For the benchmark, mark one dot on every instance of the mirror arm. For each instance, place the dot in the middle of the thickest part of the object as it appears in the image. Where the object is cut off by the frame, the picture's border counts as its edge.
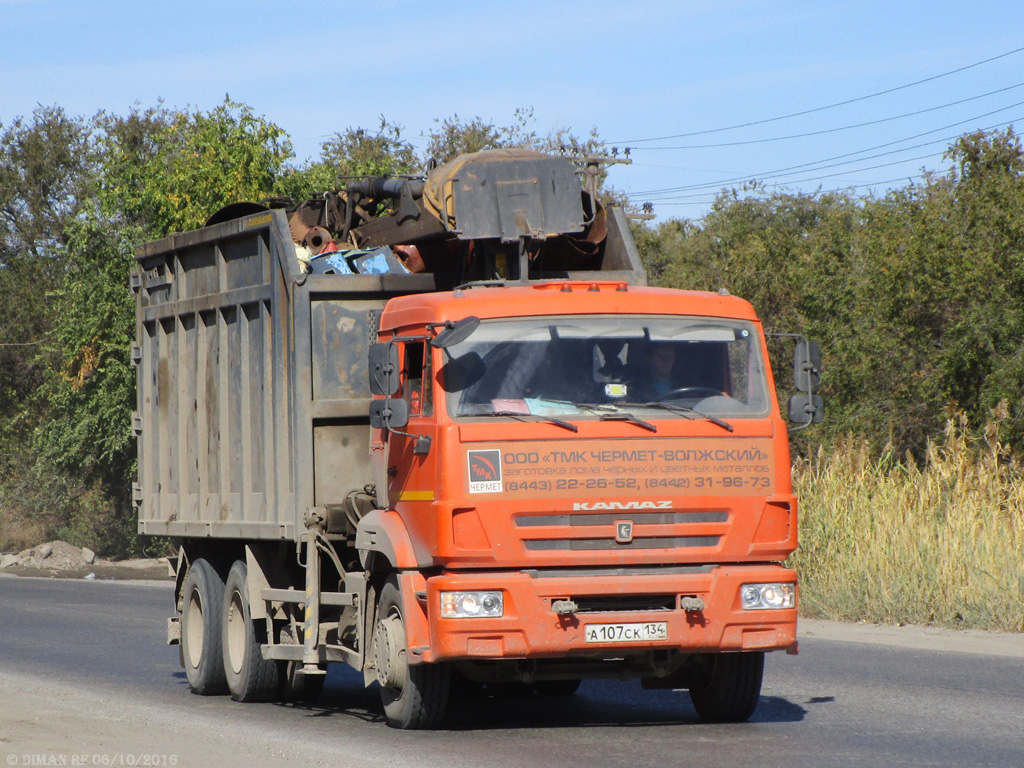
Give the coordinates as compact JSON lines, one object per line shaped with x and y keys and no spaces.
{"x":422,"y":447}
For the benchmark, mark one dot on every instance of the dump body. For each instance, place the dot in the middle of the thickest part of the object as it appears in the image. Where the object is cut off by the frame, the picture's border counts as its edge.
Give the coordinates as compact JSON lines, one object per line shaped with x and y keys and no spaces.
{"x":253,"y":392}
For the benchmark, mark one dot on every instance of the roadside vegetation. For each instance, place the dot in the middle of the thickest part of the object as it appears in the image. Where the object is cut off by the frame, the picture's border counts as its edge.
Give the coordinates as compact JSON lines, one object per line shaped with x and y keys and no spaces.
{"x":934,"y":542}
{"x":917,"y":297}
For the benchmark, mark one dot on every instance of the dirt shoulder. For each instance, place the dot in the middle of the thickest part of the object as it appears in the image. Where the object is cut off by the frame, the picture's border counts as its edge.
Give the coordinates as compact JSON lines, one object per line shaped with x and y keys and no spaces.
{"x":60,"y":560}
{"x":975,"y":641}
{"x":101,"y":570}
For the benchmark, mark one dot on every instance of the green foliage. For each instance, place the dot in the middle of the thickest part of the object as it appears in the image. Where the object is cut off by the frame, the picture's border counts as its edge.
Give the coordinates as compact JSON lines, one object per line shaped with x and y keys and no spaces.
{"x":917,"y":297}
{"x":357,"y":152}
{"x":453,"y":136}
{"x":169,"y":171}
{"x":354,"y":153}
{"x":92,"y":394}
{"x":43,"y":181}
{"x":80,"y":197}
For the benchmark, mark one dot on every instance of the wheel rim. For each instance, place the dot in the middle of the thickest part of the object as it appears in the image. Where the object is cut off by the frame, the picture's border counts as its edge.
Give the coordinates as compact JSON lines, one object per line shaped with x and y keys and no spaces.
{"x":235,"y":632}
{"x":194,"y":629}
{"x":390,"y":653}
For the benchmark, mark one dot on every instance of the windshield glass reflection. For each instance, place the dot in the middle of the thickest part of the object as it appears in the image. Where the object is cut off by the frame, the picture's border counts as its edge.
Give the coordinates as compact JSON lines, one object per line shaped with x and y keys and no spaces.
{"x":574,"y":366}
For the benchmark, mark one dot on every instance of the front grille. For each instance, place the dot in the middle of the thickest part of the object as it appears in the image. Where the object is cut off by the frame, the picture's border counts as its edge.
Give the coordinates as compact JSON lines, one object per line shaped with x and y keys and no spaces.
{"x":624,"y":603}
{"x":660,"y":542}
{"x":589,"y":531}
{"x":638,"y":518}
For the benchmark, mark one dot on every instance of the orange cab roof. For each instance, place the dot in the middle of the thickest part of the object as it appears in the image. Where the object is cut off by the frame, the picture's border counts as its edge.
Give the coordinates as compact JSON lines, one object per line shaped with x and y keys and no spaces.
{"x":559,"y":298}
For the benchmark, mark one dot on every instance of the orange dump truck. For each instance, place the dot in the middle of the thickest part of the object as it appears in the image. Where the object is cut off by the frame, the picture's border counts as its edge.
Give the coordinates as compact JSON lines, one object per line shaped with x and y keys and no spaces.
{"x":460,"y":441}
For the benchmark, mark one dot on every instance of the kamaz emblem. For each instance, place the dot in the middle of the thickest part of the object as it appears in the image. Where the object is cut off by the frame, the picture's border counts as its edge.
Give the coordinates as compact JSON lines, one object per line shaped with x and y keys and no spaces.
{"x":587,"y":506}
{"x":623,"y":531}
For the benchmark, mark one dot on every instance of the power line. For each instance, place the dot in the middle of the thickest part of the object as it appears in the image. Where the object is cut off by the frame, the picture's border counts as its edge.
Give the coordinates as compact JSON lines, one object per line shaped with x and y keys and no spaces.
{"x":841,"y":128}
{"x":21,"y":344}
{"x":822,"y":109}
{"x":791,"y":170}
{"x":834,"y":175}
{"x":668,"y":194}
{"x":708,"y":201}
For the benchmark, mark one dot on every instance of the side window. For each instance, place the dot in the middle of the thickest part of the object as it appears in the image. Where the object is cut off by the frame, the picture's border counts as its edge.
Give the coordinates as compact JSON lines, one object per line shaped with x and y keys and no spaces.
{"x":416,"y":377}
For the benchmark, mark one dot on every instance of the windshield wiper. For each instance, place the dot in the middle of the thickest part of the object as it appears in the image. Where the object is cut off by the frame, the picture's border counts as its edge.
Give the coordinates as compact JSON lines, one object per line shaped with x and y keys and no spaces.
{"x":534,"y":416}
{"x":691,"y":413}
{"x":612,"y":412}
{"x":621,"y":416}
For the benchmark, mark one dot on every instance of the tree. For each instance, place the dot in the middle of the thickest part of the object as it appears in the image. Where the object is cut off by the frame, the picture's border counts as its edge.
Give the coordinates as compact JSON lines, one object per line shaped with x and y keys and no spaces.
{"x":44,"y":179}
{"x":169,"y":171}
{"x":158,"y":171}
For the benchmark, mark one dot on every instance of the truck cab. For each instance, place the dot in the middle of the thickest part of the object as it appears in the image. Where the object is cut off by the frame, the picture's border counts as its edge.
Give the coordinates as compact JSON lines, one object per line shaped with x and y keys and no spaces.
{"x":564,"y":519}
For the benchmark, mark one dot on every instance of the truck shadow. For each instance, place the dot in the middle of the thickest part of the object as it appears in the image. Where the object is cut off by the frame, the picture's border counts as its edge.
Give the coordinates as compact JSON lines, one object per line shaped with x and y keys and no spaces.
{"x":597,"y":703}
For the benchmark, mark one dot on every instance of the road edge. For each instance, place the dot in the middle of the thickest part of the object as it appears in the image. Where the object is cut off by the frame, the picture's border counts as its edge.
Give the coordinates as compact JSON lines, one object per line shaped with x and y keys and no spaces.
{"x":970,"y":641}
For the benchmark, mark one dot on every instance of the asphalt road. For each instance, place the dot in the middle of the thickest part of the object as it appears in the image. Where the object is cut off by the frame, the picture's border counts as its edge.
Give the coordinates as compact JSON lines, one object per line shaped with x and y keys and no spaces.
{"x":85,"y":678}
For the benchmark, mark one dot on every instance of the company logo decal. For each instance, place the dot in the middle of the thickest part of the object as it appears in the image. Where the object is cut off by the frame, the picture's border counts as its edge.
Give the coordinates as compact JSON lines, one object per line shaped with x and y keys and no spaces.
{"x":484,"y":471}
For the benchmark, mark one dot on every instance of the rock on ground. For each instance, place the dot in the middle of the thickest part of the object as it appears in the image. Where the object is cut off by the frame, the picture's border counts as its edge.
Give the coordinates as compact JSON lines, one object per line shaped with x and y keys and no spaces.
{"x":62,"y":560}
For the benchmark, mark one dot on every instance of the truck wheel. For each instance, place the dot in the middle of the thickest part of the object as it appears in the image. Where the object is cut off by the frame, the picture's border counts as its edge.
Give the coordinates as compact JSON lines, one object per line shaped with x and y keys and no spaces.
{"x":202,"y":601}
{"x":250,"y":677}
{"x":414,"y":695}
{"x":299,"y":688}
{"x":728,"y":688}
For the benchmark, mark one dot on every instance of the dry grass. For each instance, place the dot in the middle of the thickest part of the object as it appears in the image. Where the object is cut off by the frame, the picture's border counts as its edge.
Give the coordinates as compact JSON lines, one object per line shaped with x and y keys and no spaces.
{"x":18,"y":532}
{"x":886,"y":541}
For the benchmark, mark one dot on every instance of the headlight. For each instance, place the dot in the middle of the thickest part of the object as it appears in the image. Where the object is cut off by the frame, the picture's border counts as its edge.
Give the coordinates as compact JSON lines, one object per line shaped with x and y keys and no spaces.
{"x":467,"y":605}
{"x":759,"y":597}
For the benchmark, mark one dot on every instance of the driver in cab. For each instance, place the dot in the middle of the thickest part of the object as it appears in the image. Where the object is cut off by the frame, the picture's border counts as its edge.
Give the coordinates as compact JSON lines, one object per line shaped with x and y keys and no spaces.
{"x":656,"y":380}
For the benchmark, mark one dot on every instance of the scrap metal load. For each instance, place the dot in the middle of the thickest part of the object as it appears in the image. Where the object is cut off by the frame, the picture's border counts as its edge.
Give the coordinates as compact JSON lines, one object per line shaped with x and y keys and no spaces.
{"x":491,"y":215}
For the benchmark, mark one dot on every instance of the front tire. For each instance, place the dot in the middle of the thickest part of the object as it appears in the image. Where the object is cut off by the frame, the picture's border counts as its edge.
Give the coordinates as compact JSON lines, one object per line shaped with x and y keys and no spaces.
{"x":415,"y":696}
{"x":250,"y":677}
{"x":202,"y":602}
{"x":728,"y":687}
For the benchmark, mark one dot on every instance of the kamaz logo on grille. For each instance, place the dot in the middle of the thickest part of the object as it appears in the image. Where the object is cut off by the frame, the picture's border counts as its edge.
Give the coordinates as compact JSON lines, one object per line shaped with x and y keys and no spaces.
{"x":593,"y":506}
{"x":623,"y":531}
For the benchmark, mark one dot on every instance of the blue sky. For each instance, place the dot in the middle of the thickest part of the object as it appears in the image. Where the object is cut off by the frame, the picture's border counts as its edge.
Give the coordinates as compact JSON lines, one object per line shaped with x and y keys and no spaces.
{"x":633,"y":71}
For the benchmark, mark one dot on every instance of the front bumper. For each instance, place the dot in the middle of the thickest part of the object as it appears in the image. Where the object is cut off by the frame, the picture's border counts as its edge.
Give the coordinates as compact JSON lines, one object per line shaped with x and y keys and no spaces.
{"x":530,"y":628}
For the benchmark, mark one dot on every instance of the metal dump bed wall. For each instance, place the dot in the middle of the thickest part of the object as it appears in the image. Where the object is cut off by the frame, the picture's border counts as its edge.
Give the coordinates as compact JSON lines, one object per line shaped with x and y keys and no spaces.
{"x":252,"y":386}
{"x":253,"y":395}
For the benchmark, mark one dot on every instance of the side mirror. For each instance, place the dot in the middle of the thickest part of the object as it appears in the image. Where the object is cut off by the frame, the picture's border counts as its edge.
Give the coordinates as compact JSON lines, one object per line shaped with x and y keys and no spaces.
{"x":807,"y":366}
{"x":806,"y":409}
{"x":455,"y":332}
{"x":383,"y":358}
{"x":389,"y":414}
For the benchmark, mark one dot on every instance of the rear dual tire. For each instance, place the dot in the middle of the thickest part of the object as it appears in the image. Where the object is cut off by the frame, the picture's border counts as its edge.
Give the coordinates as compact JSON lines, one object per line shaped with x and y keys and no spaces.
{"x":220,"y":644}
{"x":249,"y":676}
{"x":202,"y":606}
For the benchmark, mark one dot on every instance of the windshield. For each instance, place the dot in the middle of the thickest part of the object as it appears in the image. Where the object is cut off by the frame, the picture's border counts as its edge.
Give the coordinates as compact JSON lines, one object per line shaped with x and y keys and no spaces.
{"x":555,"y":366}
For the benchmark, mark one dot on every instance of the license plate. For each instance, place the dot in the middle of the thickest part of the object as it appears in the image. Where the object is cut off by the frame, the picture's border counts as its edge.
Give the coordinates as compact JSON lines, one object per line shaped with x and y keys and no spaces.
{"x":626,"y":633}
